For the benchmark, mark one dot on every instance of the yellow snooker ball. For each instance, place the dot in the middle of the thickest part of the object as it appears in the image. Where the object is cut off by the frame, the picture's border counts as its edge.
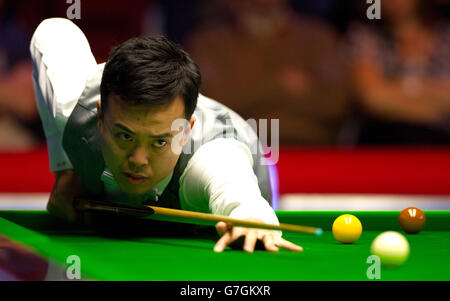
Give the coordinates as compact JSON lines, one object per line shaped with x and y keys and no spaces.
{"x":347,"y":228}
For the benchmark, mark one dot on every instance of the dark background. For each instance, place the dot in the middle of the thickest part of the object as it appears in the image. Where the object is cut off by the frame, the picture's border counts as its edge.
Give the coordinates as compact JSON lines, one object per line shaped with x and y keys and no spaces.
{"x":317,"y":95}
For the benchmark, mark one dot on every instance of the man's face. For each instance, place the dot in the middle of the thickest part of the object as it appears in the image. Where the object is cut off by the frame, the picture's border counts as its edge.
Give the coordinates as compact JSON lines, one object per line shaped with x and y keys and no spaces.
{"x":137,"y":142}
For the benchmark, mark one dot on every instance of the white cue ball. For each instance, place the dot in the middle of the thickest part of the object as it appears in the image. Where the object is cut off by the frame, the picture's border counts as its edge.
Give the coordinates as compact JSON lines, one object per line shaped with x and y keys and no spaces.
{"x":392,"y":248}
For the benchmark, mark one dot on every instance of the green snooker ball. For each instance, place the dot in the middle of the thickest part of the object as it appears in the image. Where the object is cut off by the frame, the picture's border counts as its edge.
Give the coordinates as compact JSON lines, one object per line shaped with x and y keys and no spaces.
{"x":391,"y":247}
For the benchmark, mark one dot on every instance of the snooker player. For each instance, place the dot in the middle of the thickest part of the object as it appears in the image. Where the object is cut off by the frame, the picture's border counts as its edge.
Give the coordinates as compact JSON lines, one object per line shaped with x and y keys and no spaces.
{"x":112,"y":133}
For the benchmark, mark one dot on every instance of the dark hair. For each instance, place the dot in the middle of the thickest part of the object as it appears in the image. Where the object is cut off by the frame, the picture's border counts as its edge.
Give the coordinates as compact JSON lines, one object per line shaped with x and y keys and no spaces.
{"x":151,"y":70}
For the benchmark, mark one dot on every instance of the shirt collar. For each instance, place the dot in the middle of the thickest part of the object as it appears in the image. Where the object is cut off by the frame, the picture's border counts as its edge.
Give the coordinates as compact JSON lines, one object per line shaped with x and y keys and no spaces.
{"x":161,"y":186}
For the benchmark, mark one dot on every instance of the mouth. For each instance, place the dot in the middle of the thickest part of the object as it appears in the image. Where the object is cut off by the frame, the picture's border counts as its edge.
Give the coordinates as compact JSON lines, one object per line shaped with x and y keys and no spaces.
{"x":135,"y":179}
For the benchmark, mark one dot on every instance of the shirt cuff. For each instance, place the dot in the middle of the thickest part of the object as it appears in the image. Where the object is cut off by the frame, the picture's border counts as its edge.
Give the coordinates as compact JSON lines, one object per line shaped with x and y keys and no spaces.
{"x":57,"y":156}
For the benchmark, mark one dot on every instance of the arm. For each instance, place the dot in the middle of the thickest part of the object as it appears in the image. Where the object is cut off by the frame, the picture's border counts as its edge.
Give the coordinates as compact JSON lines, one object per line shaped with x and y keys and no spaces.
{"x":219,"y":179}
{"x":394,"y":100}
{"x":415,"y":100}
{"x":62,"y":63}
{"x":67,"y":187}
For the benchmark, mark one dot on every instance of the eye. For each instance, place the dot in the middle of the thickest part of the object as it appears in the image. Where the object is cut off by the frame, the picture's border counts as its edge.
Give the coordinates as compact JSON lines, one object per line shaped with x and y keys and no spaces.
{"x":124,"y":137}
{"x":159,"y":143}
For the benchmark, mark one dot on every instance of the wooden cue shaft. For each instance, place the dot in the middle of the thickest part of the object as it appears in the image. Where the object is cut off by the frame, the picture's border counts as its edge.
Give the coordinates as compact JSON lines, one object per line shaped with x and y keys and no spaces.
{"x":160,"y":213}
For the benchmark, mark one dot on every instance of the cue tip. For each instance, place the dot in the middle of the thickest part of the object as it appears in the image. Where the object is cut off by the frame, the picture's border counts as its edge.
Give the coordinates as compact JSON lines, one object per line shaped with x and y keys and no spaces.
{"x":318,"y":232}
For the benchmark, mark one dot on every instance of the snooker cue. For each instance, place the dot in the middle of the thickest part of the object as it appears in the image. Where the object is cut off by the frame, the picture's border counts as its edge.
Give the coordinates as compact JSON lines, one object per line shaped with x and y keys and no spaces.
{"x":212,"y":219}
{"x":184,"y":216}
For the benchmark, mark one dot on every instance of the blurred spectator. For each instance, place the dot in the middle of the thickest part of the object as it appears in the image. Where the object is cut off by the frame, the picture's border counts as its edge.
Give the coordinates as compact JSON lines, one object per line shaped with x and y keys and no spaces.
{"x":106,"y":23}
{"x":264,"y":61}
{"x":20,"y":126}
{"x":401,"y":75}
{"x":334,"y":12}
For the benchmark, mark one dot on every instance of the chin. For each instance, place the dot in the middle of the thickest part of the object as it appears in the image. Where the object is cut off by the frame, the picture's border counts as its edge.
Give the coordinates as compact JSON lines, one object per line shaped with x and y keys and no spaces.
{"x":134,"y":189}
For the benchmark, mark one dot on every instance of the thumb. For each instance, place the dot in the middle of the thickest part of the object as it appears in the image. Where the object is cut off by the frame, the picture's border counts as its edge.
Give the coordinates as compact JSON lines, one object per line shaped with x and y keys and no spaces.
{"x":221,"y":228}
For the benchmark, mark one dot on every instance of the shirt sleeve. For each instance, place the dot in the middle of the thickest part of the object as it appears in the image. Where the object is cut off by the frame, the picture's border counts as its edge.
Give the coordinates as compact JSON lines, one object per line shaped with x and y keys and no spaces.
{"x":219,"y":179}
{"x":62,"y":63}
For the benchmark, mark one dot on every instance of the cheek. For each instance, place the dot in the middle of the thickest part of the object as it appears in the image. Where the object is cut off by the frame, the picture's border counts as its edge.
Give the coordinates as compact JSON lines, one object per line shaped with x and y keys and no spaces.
{"x":112,"y":153}
{"x":164,"y":163}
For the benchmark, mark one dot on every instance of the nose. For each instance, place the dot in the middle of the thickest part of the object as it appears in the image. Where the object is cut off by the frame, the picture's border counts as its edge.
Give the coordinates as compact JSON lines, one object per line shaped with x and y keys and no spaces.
{"x":138,"y":158}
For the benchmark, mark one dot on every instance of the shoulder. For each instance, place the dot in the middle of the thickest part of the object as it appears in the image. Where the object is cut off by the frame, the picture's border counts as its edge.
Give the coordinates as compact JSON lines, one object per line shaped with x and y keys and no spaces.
{"x":91,"y":92}
{"x":222,"y":151}
{"x":220,"y":158}
{"x":213,"y":117}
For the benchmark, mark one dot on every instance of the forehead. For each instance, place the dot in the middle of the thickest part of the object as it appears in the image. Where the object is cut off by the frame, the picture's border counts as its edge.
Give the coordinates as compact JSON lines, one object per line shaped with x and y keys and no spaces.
{"x":144,"y":117}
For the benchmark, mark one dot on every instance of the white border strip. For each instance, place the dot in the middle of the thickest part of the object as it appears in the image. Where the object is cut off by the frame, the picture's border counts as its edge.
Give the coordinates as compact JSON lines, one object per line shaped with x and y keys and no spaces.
{"x":38,"y":201}
{"x":23,"y":201}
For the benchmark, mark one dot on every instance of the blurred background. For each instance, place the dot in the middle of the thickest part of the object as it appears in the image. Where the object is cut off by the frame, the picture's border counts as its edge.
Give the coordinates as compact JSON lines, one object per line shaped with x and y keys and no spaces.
{"x":334,"y":78}
{"x":331,"y":76}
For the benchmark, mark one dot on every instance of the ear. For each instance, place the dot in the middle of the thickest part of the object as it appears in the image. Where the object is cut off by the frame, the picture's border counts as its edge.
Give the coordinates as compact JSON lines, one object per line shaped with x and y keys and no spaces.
{"x":99,"y":114}
{"x":191,"y":122}
{"x":187,"y":131}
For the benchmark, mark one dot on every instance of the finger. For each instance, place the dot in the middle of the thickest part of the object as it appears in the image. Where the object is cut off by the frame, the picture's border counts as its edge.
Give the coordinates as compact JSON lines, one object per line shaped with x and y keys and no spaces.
{"x":222,"y":242}
{"x":62,"y":208}
{"x":269,"y":243}
{"x":64,"y":212}
{"x":289,"y":245}
{"x":250,"y":241}
{"x":71,"y":215}
{"x":221,"y":228}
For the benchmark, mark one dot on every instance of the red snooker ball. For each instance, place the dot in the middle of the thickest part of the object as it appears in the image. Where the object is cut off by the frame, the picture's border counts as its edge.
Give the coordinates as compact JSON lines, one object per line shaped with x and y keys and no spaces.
{"x":412,"y":220}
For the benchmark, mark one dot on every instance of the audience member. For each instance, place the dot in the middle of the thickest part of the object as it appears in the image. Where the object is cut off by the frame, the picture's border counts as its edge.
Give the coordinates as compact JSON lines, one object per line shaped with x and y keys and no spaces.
{"x":20,"y":126}
{"x":401,"y":75}
{"x":270,"y":63}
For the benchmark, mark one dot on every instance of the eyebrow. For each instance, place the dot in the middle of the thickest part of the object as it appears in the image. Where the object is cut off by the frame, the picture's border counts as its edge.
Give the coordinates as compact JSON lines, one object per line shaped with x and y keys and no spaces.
{"x":165,"y":135}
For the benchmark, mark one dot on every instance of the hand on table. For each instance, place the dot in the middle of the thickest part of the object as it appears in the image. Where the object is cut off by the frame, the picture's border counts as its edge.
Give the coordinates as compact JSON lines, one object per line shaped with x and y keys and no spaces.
{"x":62,"y":207}
{"x":270,"y":239}
{"x":61,"y":203}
